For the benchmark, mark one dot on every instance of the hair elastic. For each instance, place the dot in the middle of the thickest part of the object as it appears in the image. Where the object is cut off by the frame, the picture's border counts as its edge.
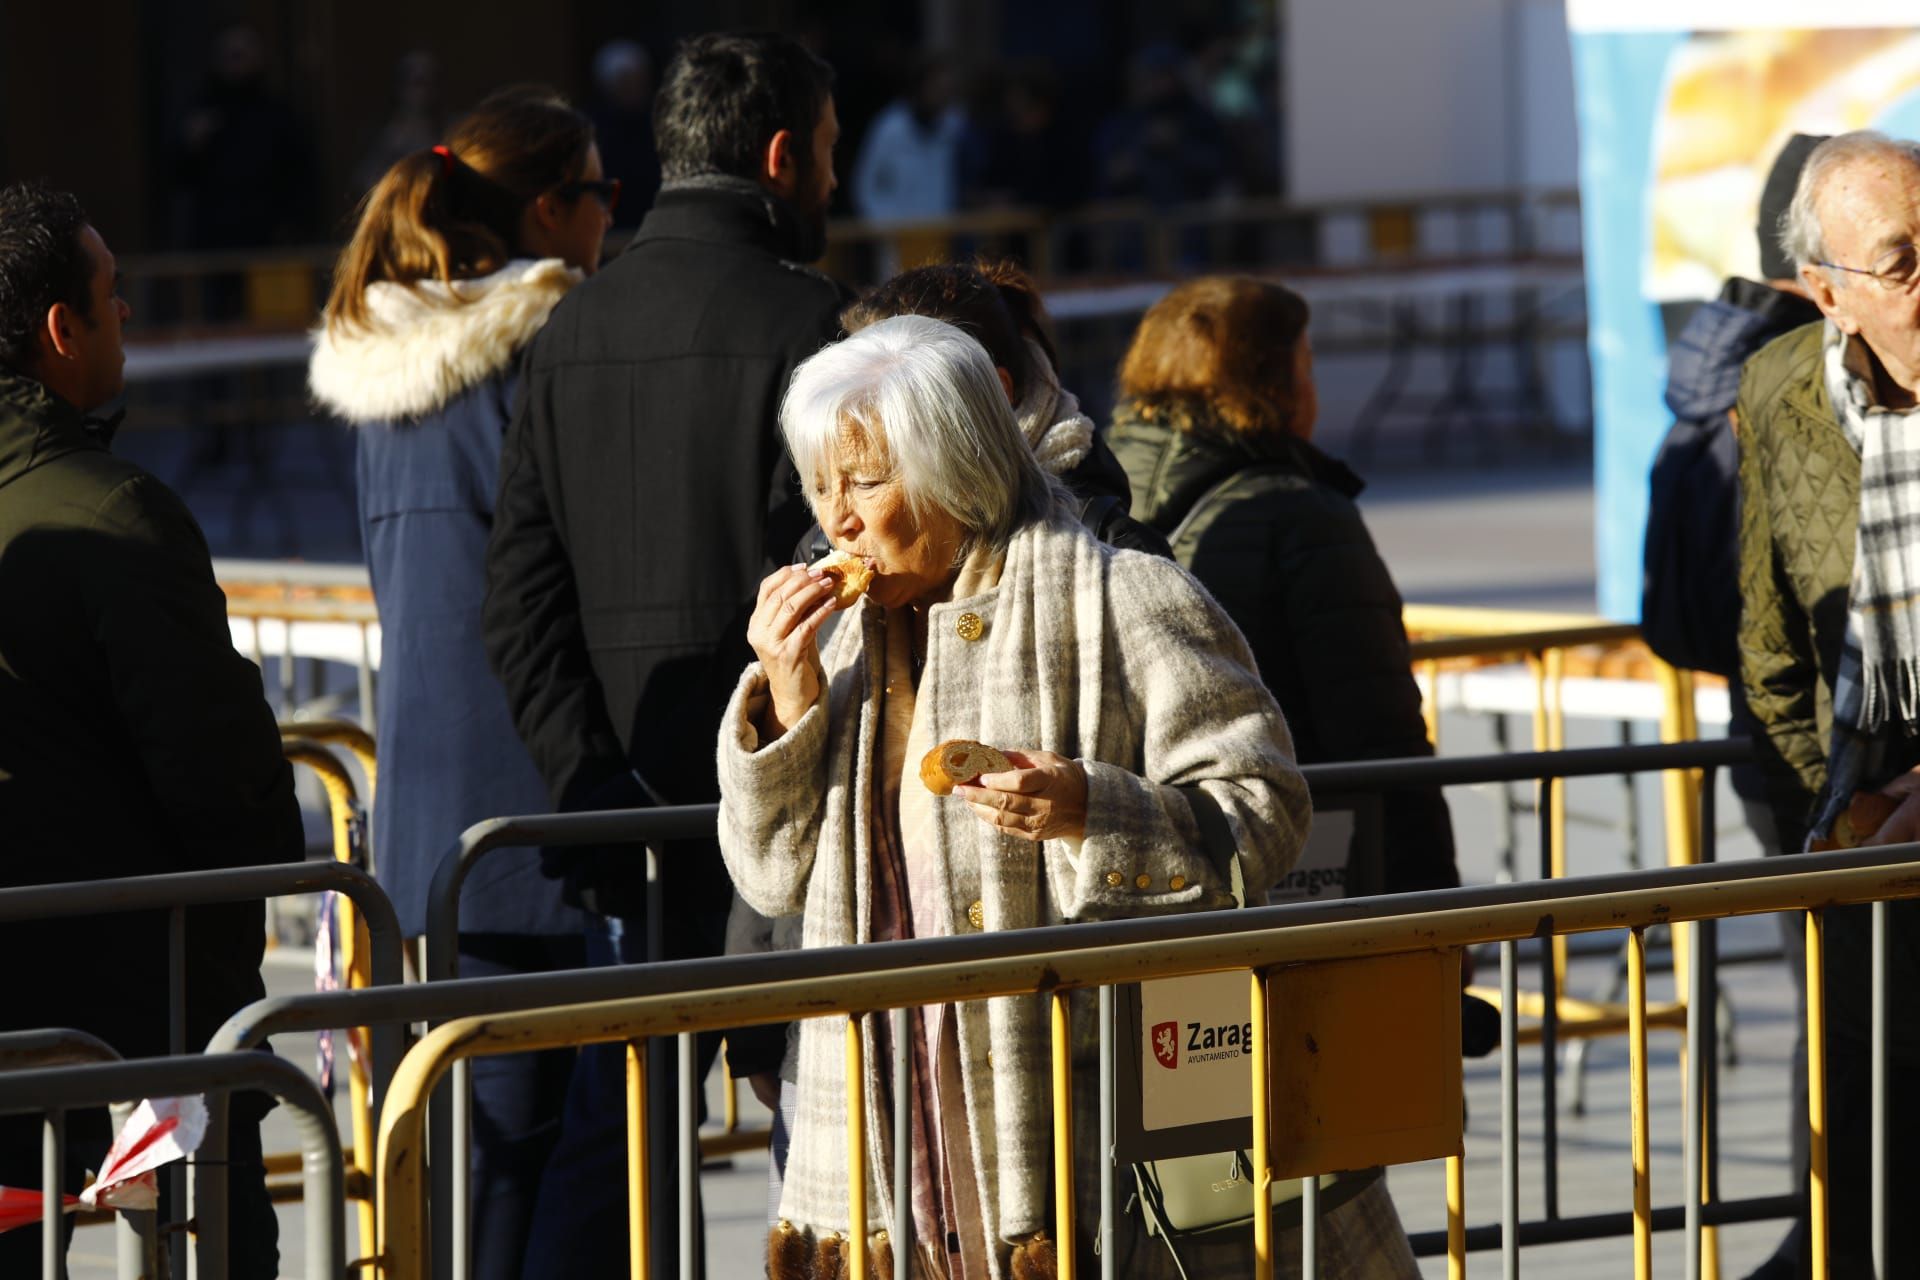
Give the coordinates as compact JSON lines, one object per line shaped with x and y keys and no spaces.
{"x":446,"y":158}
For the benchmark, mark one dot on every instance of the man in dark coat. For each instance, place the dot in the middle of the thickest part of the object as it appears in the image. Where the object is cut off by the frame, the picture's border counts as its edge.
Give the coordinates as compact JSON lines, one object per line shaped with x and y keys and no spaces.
{"x":644,"y":494}
{"x":1690,"y":596}
{"x":134,"y":740}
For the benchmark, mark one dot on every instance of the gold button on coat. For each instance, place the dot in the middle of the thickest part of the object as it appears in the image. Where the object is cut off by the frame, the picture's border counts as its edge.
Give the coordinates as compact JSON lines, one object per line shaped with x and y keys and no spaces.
{"x":1143,"y":881}
{"x":1115,"y":879}
{"x":976,"y":915}
{"x":1177,"y":883}
{"x":969,"y":627}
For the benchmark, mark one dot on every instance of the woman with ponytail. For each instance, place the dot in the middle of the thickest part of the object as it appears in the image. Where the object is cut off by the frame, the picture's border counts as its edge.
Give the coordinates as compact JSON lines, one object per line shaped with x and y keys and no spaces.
{"x":460,"y":253}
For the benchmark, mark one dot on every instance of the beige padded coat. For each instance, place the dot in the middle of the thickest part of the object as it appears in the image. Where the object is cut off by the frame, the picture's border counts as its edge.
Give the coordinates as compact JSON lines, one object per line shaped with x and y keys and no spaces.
{"x":1115,"y":658}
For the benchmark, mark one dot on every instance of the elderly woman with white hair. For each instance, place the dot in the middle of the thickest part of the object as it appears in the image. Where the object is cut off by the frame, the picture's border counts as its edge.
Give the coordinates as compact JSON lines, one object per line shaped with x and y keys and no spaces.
{"x":1148,"y":772}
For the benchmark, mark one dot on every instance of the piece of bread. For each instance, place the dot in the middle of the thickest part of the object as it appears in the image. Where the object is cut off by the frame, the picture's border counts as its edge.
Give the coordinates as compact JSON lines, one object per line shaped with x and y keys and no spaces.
{"x":958,"y":761}
{"x":1867,"y":813}
{"x":851,"y":575}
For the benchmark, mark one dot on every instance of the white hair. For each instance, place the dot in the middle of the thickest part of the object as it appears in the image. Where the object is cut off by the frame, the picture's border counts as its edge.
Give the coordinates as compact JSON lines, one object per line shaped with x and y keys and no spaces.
{"x":1801,"y":236}
{"x":925,"y":395}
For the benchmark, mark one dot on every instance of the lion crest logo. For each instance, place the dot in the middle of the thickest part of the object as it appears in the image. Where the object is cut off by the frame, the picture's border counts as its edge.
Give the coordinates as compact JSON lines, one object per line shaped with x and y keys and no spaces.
{"x":1166,"y":1044}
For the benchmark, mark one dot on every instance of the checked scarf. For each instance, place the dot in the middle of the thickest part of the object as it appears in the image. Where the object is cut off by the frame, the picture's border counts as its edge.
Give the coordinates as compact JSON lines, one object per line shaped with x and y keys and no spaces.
{"x":1877,"y":687}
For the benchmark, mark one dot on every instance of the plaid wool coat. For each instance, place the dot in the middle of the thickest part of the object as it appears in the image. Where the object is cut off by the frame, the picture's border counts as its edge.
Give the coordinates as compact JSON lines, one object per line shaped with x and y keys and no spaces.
{"x":1116,"y":658}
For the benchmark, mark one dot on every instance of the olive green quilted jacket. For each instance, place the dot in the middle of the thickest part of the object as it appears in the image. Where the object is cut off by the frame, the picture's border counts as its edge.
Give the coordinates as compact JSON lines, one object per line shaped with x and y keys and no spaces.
{"x":1799,"y":509}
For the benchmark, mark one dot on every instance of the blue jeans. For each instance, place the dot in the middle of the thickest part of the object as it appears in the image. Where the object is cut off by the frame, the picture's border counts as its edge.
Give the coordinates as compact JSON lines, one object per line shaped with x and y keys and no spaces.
{"x":580,"y":1219}
{"x":518,"y":1099}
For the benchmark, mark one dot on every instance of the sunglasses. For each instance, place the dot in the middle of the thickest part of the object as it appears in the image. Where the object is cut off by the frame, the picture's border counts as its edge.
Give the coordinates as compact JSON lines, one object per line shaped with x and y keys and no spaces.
{"x":607,"y":192}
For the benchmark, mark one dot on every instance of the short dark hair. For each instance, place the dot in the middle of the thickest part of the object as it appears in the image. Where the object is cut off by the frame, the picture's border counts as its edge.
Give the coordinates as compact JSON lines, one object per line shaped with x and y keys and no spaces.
{"x":42,"y":261}
{"x":726,"y":94}
{"x":963,"y":295}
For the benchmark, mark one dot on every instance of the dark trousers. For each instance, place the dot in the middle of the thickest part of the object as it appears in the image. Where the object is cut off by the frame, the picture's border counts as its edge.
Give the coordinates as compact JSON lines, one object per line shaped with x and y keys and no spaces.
{"x":518,"y":1100}
{"x":580,"y":1221}
{"x":254,"y":1249}
{"x":1849,"y":1098}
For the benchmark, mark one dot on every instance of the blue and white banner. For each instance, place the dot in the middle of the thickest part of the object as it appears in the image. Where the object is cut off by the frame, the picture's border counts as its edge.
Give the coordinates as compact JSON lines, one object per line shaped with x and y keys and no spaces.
{"x":1682,"y":106}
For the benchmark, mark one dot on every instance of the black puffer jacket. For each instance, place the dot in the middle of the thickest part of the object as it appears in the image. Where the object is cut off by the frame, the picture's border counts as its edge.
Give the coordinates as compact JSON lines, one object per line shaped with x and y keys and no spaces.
{"x":133,"y":739}
{"x":1269,"y":526}
{"x":1690,"y":595}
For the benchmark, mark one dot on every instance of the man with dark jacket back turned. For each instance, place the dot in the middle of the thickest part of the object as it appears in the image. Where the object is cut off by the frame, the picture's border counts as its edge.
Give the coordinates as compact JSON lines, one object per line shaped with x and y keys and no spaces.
{"x":134,"y":740}
{"x":644,"y":493}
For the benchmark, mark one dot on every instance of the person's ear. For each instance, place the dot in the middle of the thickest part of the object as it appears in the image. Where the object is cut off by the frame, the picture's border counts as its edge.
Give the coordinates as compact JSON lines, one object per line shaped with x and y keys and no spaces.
{"x":1006,"y":383}
{"x":62,"y":332}
{"x":780,"y":169}
{"x":1826,"y":296}
{"x":547,"y":213}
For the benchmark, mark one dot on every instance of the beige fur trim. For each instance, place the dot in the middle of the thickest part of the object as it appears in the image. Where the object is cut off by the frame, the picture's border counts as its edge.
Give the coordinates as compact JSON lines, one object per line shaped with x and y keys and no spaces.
{"x":424,"y":349}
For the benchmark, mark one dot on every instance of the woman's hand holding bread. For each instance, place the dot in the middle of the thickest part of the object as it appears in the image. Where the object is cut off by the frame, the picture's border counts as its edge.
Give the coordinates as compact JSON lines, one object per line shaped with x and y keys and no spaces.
{"x":794,"y":602}
{"x":1041,"y":796}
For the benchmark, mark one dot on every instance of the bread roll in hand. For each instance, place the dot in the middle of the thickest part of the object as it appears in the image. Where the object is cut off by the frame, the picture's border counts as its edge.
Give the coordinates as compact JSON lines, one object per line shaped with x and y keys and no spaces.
{"x":851,"y":576}
{"x":958,"y":761}
{"x":1858,"y":823}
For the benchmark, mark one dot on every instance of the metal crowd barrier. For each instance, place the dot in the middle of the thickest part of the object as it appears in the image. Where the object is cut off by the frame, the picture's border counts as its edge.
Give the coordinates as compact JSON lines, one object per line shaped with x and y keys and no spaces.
{"x":1555,"y":647}
{"x":308,"y":743}
{"x":176,"y":892}
{"x":891,"y":976}
{"x":135,"y":1238}
{"x":57,"y":1090}
{"x":330,"y":604}
{"x":451,"y":998}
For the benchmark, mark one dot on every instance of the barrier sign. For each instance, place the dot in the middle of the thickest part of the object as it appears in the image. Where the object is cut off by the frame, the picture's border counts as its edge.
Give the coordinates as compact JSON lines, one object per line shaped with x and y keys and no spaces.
{"x":1194,"y":1064}
{"x":1321,"y":873}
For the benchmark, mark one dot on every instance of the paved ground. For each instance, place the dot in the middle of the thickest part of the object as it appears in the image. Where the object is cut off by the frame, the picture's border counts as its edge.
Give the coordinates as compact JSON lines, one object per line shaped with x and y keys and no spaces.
{"x":1519,"y":536}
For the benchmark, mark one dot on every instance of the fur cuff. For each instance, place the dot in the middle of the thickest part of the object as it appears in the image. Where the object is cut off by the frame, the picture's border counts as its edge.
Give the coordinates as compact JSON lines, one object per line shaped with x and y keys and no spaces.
{"x":793,"y":1254}
{"x":1035,"y":1259}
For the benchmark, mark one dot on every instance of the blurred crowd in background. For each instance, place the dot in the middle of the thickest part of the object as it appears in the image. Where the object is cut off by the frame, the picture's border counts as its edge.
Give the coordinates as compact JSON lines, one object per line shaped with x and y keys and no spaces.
{"x":1070,"y":112}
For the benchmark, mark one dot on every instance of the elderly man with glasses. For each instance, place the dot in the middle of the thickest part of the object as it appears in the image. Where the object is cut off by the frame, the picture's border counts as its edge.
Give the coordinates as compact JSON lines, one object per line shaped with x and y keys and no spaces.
{"x":1829,"y":424}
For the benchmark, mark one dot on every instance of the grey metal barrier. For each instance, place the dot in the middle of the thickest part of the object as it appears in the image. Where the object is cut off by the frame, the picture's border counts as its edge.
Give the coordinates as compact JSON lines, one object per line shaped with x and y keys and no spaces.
{"x":134,"y":1233}
{"x":174,"y":893}
{"x":882,"y":976}
{"x":450,"y":998}
{"x":56,"y":1091}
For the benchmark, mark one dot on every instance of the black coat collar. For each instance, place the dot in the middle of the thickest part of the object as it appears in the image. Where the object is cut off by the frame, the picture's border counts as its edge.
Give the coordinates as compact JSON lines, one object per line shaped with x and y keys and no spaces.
{"x":724,"y":210}
{"x":37,"y":426}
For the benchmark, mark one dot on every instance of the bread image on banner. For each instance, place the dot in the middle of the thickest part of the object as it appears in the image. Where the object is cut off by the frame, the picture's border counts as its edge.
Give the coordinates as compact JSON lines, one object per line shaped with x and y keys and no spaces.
{"x":1730,"y":102}
{"x":958,"y":761}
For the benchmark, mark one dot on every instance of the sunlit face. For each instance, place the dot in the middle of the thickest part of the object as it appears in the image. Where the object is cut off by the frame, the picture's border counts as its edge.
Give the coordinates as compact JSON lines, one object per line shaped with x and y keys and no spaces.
{"x":1866,"y":208}
{"x":862,"y":504}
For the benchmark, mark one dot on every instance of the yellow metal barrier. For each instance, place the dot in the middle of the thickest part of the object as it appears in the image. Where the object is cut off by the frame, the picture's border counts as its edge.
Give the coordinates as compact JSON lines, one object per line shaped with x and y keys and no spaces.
{"x":1803,"y":883}
{"x":1553,"y":646}
{"x":302,"y":743}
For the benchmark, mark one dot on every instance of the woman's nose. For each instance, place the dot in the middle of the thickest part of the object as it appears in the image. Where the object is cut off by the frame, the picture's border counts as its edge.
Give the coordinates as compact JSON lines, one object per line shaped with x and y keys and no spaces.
{"x":837,"y":517}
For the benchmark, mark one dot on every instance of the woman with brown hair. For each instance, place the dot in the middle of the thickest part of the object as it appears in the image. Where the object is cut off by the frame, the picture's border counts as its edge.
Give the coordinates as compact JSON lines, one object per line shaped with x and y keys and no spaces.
{"x":460,"y":253}
{"x":1215,"y":429}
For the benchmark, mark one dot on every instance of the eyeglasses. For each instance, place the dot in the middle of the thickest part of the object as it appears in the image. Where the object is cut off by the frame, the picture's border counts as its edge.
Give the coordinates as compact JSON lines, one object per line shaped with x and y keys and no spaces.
{"x":607,"y":193}
{"x":1893,"y":271}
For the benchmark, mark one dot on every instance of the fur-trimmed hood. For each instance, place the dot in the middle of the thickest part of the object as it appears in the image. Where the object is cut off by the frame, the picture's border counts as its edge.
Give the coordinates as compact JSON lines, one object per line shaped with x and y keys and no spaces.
{"x":424,"y":348}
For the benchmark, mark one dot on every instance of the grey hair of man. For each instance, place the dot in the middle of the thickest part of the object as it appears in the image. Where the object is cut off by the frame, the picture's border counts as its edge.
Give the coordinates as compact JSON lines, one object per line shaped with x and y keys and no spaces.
{"x":925,"y":396}
{"x":1801,"y":235}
